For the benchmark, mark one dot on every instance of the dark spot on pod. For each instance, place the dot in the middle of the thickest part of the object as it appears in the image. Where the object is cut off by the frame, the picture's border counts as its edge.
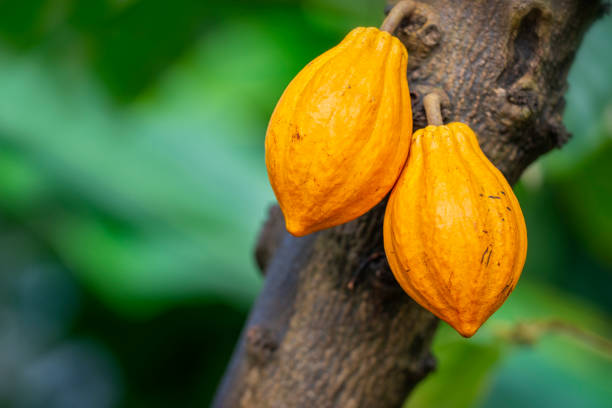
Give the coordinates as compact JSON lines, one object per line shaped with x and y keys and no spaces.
{"x":508,"y":208}
{"x":495,"y":197}
{"x":483,"y":255}
{"x":296,"y":136}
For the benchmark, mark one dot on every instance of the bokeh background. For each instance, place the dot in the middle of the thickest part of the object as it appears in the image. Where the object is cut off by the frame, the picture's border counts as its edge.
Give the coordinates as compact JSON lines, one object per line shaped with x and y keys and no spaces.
{"x":132,"y":186}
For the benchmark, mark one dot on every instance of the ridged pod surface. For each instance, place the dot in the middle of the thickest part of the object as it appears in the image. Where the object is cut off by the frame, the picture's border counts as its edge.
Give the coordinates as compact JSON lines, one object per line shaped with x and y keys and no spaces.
{"x":454,"y":233}
{"x":340,"y":134}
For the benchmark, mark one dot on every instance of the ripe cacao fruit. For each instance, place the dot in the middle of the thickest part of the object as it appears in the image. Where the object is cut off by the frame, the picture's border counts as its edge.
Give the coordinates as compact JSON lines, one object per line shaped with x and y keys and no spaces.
{"x":340,"y":134}
{"x":454,"y":233}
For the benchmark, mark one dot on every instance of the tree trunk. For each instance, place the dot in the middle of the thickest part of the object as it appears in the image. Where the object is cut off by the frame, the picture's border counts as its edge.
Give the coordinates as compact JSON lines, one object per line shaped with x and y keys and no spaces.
{"x":331,"y":328}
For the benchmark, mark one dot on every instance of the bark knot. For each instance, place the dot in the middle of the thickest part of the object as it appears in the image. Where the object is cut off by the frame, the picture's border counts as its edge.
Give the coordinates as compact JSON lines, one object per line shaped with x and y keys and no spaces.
{"x":261,"y":344}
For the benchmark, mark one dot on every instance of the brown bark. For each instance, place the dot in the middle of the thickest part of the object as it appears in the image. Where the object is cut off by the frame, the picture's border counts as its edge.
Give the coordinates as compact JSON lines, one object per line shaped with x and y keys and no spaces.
{"x":331,"y":328}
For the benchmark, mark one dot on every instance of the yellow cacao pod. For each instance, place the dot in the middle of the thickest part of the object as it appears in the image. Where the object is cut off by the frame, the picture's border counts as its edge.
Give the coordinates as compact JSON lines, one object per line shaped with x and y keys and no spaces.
{"x":454,"y":233}
{"x":340,"y":134}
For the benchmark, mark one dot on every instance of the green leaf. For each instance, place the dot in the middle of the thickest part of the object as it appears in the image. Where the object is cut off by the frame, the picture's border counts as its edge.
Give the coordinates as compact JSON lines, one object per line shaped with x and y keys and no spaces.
{"x":586,"y":196}
{"x":462,"y":375}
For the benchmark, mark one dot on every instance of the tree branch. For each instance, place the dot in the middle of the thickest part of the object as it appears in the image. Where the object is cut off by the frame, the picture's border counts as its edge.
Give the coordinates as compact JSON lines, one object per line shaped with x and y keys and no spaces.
{"x":331,"y":327}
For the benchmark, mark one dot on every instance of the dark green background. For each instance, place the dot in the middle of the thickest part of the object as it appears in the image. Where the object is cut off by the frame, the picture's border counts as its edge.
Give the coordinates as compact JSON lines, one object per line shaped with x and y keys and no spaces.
{"x":132,"y":185}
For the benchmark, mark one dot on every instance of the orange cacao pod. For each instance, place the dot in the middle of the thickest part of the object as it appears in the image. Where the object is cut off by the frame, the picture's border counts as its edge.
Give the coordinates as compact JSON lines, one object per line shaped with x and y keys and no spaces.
{"x":340,"y":134}
{"x":454,"y":233}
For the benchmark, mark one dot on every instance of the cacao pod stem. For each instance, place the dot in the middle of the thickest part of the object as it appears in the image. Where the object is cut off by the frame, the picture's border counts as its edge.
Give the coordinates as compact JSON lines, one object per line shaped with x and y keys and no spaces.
{"x":431,"y":103}
{"x":400,"y":11}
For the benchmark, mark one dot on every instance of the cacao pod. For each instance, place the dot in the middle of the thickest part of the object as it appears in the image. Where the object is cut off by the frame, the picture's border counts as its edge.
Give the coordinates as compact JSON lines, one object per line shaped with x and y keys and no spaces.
{"x":340,"y":133}
{"x":454,"y":233}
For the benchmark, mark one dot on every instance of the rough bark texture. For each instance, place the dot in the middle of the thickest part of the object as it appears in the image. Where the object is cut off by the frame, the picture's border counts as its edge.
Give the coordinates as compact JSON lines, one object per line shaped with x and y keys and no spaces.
{"x":331,"y":328}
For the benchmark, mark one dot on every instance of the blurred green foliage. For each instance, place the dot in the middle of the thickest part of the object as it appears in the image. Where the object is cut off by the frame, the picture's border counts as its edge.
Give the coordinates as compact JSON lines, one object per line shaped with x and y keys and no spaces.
{"x":132,"y":185}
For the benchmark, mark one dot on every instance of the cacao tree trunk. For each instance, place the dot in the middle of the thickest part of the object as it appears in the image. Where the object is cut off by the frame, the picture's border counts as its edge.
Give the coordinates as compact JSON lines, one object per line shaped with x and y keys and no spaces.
{"x":331,"y":328}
